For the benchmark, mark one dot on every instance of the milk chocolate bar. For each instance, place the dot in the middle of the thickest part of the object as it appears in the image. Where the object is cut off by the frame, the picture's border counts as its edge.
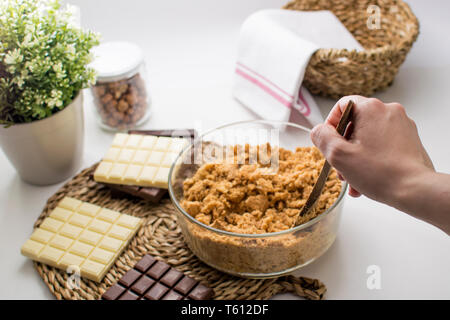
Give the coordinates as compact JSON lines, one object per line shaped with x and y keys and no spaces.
{"x":151,"y":279}
{"x":81,"y":234}
{"x":151,"y":194}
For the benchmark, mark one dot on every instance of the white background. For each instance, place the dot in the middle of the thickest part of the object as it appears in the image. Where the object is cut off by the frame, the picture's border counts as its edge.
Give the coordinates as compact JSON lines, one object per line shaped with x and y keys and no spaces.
{"x":190,"y":49}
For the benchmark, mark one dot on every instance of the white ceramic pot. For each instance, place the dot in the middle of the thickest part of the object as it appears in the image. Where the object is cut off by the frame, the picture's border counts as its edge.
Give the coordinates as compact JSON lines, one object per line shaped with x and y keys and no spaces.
{"x":50,"y":150}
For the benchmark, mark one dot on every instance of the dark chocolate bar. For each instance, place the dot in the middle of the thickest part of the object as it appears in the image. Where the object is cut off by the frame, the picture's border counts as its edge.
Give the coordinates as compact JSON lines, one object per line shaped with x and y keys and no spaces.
{"x":151,"y":279}
{"x":174,"y":133}
{"x":153,"y":195}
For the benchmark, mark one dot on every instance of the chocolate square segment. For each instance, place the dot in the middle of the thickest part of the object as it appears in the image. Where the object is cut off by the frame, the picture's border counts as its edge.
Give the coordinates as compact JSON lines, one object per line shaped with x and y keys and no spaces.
{"x":128,"y":295}
{"x":172,"y":295}
{"x":113,"y":292}
{"x":158,"y":269}
{"x":142,"y":285}
{"x":146,"y":262}
{"x":151,"y":194}
{"x":185,"y":285}
{"x":151,"y":279}
{"x":130,"y":277}
{"x":201,"y":292}
{"x":156,"y":292}
{"x":171,"y":277}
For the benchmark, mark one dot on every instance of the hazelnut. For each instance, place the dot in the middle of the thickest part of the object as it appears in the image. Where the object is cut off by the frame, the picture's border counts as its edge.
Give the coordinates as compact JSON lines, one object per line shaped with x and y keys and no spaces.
{"x":110,"y":106}
{"x":131,"y":98}
{"x":99,"y":90}
{"x":132,"y":90}
{"x":116,"y":115}
{"x":106,"y":98}
{"x":112,"y":122}
{"x":113,"y":85}
{"x":122,"y":106}
{"x":120,"y":90}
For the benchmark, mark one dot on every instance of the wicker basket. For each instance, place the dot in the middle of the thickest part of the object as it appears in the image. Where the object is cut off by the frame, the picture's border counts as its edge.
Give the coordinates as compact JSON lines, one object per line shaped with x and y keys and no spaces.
{"x":338,"y":72}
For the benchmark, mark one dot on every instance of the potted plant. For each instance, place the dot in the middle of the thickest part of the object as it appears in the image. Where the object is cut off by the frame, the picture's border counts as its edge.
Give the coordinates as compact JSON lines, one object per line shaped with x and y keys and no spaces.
{"x":44,"y":58}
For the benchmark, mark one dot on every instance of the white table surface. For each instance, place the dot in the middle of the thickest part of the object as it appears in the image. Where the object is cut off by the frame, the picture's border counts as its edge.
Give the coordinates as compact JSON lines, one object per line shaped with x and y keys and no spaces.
{"x":190,"y":49}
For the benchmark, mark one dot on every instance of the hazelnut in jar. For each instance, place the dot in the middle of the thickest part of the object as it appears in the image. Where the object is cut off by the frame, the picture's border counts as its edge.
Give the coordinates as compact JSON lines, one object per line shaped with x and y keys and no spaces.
{"x":120,"y":93}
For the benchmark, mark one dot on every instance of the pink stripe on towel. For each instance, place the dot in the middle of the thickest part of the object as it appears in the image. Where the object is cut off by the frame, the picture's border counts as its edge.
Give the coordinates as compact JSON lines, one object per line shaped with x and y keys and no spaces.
{"x":264,"y":87}
{"x":265,"y":79}
{"x":307,"y":112}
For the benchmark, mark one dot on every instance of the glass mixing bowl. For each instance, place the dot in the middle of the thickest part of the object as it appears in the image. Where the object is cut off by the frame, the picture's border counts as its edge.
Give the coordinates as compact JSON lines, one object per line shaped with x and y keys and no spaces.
{"x":265,"y":255}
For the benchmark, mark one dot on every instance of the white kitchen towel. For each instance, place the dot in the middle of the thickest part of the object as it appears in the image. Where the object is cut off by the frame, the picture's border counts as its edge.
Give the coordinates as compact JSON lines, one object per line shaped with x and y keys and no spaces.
{"x":273,"y":52}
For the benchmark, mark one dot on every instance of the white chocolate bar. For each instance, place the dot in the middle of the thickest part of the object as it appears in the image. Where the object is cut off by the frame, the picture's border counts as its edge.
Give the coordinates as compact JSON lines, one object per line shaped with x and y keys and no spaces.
{"x":81,"y":234}
{"x":139,"y":160}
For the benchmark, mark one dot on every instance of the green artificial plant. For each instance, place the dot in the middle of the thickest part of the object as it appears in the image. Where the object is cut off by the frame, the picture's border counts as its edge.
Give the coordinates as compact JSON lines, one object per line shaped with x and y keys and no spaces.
{"x":44,"y":58}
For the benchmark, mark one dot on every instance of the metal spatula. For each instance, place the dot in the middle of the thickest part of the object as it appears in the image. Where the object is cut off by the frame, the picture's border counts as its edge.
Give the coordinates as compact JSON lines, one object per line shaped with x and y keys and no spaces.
{"x":323,"y":176}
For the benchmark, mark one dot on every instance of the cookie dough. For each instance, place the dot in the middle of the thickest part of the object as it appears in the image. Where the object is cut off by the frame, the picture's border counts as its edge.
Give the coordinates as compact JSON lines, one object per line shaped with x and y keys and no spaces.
{"x":241,"y":198}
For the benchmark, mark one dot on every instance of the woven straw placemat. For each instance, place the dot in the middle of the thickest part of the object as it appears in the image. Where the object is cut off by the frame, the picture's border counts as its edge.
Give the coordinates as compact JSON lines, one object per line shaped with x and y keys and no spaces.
{"x":161,"y":237}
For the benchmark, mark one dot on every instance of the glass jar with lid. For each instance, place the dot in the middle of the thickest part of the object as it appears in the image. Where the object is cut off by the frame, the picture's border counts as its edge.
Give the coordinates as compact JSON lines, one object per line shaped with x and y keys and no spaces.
{"x":120,"y":93}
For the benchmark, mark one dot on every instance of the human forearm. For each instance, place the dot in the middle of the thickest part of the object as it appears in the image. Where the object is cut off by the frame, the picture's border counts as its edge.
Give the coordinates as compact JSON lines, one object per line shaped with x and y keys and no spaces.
{"x":427,"y":197}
